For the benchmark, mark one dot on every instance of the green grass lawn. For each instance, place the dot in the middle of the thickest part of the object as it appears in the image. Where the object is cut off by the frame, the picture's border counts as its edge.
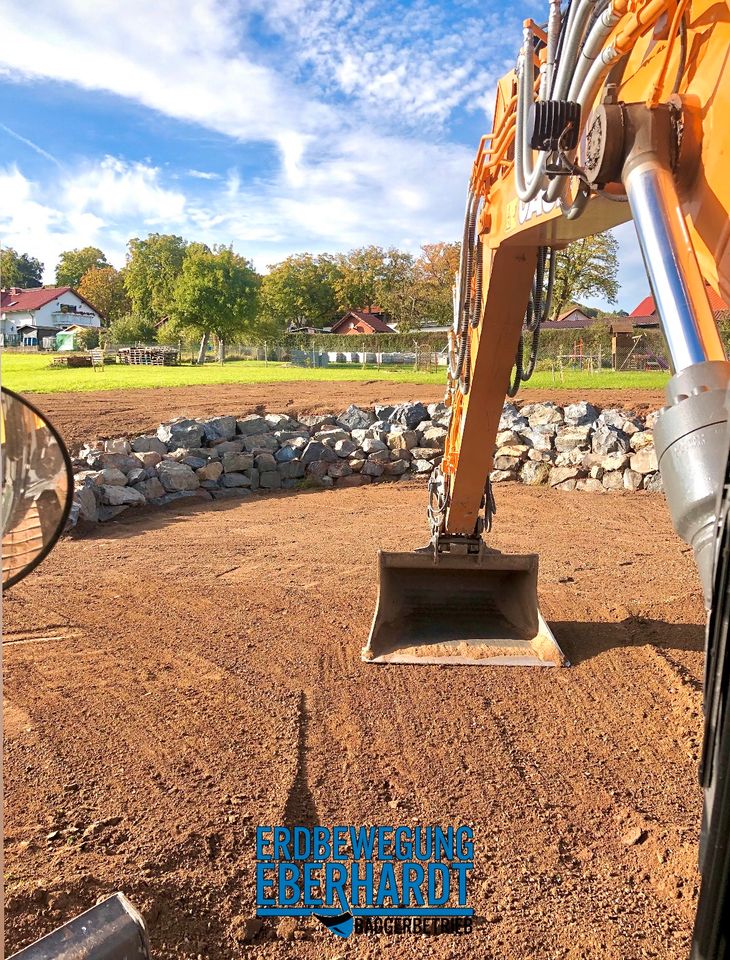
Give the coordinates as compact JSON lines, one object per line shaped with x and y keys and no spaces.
{"x":32,"y":373}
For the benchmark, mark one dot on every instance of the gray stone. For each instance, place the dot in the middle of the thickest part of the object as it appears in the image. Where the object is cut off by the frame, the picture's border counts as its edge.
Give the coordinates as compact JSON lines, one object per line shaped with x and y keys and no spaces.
{"x":148,"y":444}
{"x":195,"y":462}
{"x":315,"y":422}
{"x":589,"y":485}
{"x":570,"y":458}
{"x":332,"y":434}
{"x":253,"y":476}
{"x":369,"y":445}
{"x":409,"y":414}
{"x":122,"y":496}
{"x":293,"y":470}
{"x":260,"y":443}
{"x":265,"y":463}
{"x":559,"y":475}
{"x":507,"y":463}
{"x":596,"y":472}
{"x":340,"y":469}
{"x":538,"y":439}
{"x":88,"y":510}
{"x":384,"y":412}
{"x":641,"y":439}
{"x":612,"y":418}
{"x":542,"y":413}
{"x":506,"y":438}
{"x":644,"y":460}
{"x":176,"y":476}
{"x":541,"y":456}
{"x":317,"y":468}
{"x":653,"y":482}
{"x":357,"y":463}
{"x":613,"y":480}
{"x":210,"y":472}
{"x":380,"y":456}
{"x":421,"y":466}
{"x":122,"y":461}
{"x":580,"y":414}
{"x":285,"y":454}
{"x":427,"y":453}
{"x":611,"y":461}
{"x":237,"y":462}
{"x":151,"y":489}
{"x":372,"y":469}
{"x":223,"y":427}
{"x":396,"y":468}
{"x":535,"y":474}
{"x":354,"y":418}
{"x":252,"y":425}
{"x":181,"y":433}
{"x":149,"y":458}
{"x":270,"y":480}
{"x":134,"y":476}
{"x":286,"y":436}
{"x":109,"y":513}
{"x":519,"y":450}
{"x":235,"y":480}
{"x":111,"y":477}
{"x":345,"y":448}
{"x":227,"y":446}
{"x":632,"y":480}
{"x":502,"y":476}
{"x":434,"y":437}
{"x":120,"y":445}
{"x":651,"y":418}
{"x":315,"y":450}
{"x":606,"y":439}
{"x":403,"y":440}
{"x":281,"y":421}
{"x":571,"y":437}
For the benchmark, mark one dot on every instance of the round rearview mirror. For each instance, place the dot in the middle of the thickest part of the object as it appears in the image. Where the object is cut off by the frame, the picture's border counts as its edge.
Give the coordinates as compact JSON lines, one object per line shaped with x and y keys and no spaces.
{"x":37,"y":486}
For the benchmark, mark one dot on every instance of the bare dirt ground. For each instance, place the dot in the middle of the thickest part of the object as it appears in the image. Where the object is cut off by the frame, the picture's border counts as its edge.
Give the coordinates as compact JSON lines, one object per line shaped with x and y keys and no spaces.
{"x":181,"y":677}
{"x":84,"y":416}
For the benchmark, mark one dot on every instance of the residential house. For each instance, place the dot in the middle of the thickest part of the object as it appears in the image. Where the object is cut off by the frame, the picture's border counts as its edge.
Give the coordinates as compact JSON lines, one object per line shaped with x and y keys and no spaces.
{"x":645,"y":315}
{"x":362,"y":321}
{"x":28,"y":317}
{"x":573,"y":318}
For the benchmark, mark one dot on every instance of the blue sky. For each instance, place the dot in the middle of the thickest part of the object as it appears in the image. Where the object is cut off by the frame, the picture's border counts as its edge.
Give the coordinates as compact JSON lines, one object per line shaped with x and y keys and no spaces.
{"x":275,"y":125}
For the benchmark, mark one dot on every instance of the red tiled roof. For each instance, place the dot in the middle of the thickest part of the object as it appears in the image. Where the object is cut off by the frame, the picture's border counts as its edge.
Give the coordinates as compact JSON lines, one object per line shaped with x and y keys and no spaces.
{"x":647,"y":306}
{"x":22,"y":301}
{"x":377,"y":324}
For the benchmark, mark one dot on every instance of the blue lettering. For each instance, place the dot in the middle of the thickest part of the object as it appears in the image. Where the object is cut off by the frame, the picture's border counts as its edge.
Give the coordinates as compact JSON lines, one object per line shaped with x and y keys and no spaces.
{"x":403,"y":843}
{"x":388,"y":887}
{"x":438,"y":899}
{"x":332,"y":885}
{"x":321,"y":843}
{"x":262,"y":881}
{"x":302,"y":839}
{"x":358,"y":884}
{"x":413,"y":874}
{"x":281,"y":841}
{"x":363,"y":841}
{"x":465,"y":840}
{"x":339,"y":843}
{"x":312,"y":882}
{"x":462,"y":869}
{"x":384,"y":841}
{"x":262,"y":843}
{"x":289,"y":891}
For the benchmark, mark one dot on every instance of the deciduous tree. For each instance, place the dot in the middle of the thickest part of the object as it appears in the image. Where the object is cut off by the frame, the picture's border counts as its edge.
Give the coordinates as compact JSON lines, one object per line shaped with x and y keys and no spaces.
{"x":153,"y":267}
{"x":216,"y":293}
{"x":73,"y":264}
{"x":586,"y":268}
{"x":104,"y":288}
{"x":435,"y":271}
{"x":302,"y":290}
{"x":19,"y":269}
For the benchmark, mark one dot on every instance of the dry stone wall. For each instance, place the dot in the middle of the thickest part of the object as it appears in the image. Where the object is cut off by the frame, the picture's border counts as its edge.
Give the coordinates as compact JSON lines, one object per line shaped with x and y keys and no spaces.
{"x":578,"y":447}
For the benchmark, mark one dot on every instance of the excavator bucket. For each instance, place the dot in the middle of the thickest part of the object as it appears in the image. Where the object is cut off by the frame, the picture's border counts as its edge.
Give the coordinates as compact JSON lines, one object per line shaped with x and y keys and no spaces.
{"x":463,"y":609}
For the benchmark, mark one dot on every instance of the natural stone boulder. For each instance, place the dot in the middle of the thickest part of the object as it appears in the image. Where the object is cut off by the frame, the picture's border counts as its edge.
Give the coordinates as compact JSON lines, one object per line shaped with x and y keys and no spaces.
{"x":559,"y":475}
{"x":152,"y":489}
{"x":613,"y":480}
{"x":507,"y":463}
{"x":395,"y":468}
{"x":148,"y":445}
{"x":426,"y":453}
{"x":111,"y":477}
{"x":261,"y":442}
{"x":285,"y":454}
{"x":315,"y":450}
{"x":181,"y":433}
{"x":641,"y":439}
{"x":589,"y":485}
{"x":270,"y":480}
{"x":538,"y":439}
{"x":235,"y":480}
{"x":644,"y":461}
{"x":434,"y":437}
{"x":252,"y":425}
{"x":220,"y":428}
{"x":572,"y":437}
{"x":369,"y":445}
{"x":403,"y":440}
{"x":541,"y":413}
{"x":294,"y":470}
{"x":409,"y":414}
{"x":535,"y":474}
{"x":340,"y":469}
{"x":345,"y":448}
{"x":372,"y":469}
{"x":210,"y":471}
{"x":148,"y":458}
{"x":119,"y":496}
{"x":134,"y":476}
{"x":236,"y":462}
{"x":653,"y":482}
{"x":176,"y":476}
{"x":120,"y":445}
{"x":606,"y":439}
{"x":580,"y":414}
{"x":86,"y":505}
{"x":501,"y":476}
{"x":354,"y":418}
{"x":318,"y":468}
{"x":421,"y":466}
{"x":632,"y":480}
{"x":265,"y":463}
{"x":355,"y":480}
{"x":122,"y":461}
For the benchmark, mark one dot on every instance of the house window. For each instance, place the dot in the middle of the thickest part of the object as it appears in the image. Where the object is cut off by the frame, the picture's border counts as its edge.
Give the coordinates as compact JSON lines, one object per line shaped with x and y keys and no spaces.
{"x":68,"y":308}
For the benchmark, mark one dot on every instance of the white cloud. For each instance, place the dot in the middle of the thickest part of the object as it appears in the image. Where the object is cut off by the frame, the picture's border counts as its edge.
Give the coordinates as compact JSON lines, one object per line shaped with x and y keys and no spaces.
{"x":203,"y":175}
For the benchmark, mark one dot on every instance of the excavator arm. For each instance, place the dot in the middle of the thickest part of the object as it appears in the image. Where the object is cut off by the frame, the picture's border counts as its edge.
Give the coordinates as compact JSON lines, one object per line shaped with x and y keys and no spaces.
{"x":616,"y":110}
